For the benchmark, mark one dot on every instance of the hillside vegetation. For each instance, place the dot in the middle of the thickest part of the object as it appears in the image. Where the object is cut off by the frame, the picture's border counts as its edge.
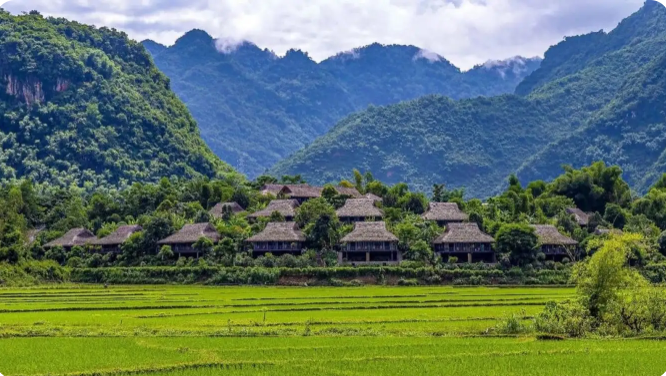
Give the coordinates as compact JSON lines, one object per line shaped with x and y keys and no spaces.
{"x":591,"y":85}
{"x":255,"y":108}
{"x":87,"y":107}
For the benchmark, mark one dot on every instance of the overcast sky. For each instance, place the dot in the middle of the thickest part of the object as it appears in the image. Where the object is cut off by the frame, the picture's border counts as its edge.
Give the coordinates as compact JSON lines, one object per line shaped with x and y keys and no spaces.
{"x":466,"y":32}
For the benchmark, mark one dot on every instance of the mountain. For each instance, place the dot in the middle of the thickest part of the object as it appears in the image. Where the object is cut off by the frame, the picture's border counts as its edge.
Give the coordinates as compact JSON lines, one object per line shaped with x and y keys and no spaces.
{"x":255,"y":108}
{"x":85,"y":106}
{"x":584,"y":84}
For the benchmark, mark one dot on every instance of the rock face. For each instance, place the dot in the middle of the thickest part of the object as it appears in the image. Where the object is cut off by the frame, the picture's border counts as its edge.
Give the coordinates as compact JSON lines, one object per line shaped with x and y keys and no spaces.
{"x":87,"y":107}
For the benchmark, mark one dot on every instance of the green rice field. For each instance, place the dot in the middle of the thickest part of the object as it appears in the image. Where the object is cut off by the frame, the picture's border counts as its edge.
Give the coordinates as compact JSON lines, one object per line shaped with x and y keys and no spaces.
{"x":196,"y":330}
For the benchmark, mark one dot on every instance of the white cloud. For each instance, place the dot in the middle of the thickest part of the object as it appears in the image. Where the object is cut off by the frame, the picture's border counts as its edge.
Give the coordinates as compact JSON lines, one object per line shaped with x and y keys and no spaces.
{"x":465,"y":32}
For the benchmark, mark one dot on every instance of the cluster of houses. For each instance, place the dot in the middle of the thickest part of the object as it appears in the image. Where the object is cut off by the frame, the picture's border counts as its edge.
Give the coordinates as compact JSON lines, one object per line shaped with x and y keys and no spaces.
{"x":369,"y":242}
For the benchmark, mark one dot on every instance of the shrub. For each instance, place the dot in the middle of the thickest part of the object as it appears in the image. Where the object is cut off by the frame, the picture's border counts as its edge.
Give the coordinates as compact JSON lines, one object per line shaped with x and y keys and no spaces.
{"x":408,"y":282}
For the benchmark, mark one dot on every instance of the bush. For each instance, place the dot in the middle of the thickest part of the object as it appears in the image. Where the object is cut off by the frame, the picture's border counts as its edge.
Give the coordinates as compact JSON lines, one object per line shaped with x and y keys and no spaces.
{"x":408,"y":282}
{"x":569,"y":318}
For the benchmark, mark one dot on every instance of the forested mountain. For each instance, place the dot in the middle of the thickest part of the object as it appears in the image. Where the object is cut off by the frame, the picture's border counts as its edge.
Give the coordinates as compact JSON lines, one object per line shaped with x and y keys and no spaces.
{"x":597,"y":93}
{"x":85,"y":106}
{"x":255,"y":108}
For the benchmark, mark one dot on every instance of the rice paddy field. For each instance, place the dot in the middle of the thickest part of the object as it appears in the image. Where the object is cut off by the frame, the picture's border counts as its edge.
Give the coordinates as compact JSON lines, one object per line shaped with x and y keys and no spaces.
{"x":196,"y":330}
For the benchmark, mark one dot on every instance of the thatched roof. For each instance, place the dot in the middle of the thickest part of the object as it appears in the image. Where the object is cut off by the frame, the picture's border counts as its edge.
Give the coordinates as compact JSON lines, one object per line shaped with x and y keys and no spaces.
{"x":216,"y":211}
{"x":549,"y":235}
{"x":444,"y":211}
{"x":581,"y":217}
{"x":279,"y":232}
{"x":285,"y":207}
{"x":463,"y":233}
{"x":32,"y":234}
{"x":606,"y":231}
{"x":352,"y":192}
{"x":119,"y":236}
{"x":373,"y":197}
{"x":301,"y":191}
{"x":73,"y":237}
{"x":359,"y":207}
{"x":273,"y":189}
{"x":189,"y":234}
{"x":370,"y":232}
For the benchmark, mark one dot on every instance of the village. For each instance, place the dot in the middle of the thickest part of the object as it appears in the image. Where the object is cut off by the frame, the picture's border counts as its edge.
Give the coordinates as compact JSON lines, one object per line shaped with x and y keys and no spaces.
{"x":370,"y":242}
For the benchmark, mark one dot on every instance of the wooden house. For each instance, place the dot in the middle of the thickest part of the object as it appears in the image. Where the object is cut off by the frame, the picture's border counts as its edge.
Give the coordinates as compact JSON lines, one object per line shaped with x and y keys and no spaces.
{"x":74,"y":237}
{"x":369,"y":242}
{"x":582,"y":218}
{"x":287,"y":208}
{"x":278,"y":238}
{"x":272,"y":189}
{"x":359,"y":210}
{"x":300,"y":192}
{"x":218,"y":210}
{"x":444,"y":213}
{"x":466,"y":242}
{"x":553,"y":244}
{"x":112,"y":243}
{"x":182,"y":242}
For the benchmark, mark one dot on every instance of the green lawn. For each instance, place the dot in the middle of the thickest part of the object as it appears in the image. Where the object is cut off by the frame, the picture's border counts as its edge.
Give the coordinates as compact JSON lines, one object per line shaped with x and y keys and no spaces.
{"x":194,"y":330}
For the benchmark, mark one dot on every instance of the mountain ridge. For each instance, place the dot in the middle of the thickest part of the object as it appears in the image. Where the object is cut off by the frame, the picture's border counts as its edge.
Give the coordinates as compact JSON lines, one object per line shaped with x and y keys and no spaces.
{"x":565,"y":95}
{"x":255,"y":108}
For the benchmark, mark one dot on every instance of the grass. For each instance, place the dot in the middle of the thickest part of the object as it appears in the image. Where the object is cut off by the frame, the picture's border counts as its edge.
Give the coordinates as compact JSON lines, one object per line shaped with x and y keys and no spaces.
{"x":194,"y":330}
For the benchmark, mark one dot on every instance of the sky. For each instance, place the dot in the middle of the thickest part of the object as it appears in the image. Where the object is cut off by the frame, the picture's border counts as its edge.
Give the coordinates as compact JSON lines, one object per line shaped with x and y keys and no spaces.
{"x":466,"y":32}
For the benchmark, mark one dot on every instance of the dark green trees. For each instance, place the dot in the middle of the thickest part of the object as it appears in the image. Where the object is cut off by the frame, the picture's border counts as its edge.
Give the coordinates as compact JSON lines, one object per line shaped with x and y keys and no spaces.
{"x":87,"y":107}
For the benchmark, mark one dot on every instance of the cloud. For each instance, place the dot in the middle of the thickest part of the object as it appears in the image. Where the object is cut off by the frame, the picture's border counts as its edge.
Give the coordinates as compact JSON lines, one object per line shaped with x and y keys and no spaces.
{"x":466,"y":32}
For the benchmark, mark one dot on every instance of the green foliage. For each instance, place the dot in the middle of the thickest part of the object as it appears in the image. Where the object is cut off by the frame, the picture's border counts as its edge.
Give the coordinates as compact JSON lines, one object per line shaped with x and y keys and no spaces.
{"x":261,"y":108}
{"x":519,"y":241}
{"x":86,"y":107}
{"x":595,"y":97}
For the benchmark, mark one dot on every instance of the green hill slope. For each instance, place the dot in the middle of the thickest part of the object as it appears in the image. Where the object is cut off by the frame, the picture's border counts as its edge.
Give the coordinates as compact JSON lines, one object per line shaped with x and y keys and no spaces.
{"x":255,"y":108}
{"x":477,"y":143}
{"x":87,"y":106}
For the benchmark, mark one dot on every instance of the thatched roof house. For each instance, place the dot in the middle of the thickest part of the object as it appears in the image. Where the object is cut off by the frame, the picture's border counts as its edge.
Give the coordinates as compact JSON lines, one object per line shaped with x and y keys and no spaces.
{"x":369,"y":242}
{"x":444,"y":212}
{"x":217,"y":210}
{"x":279,"y":232}
{"x":287,"y":208}
{"x":278,"y":237}
{"x":370,"y":232}
{"x":351,"y":192}
{"x":73,"y":237}
{"x":189,"y":234}
{"x":457,"y":233}
{"x":549,"y":235}
{"x":466,"y":242}
{"x":112,"y":242}
{"x":271,"y":189}
{"x":581,"y":217}
{"x":358,"y":209}
{"x":373,"y":197}
{"x":301,"y":192}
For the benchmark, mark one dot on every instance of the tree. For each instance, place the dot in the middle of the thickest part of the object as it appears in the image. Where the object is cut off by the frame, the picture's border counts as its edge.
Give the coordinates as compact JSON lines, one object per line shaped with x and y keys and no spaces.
{"x":276,"y":216}
{"x":519,"y":241}
{"x":601,"y":279}
{"x":616,"y":216}
{"x":323,"y":234}
{"x":421,"y":251}
{"x":203,"y":246}
{"x":241,"y":197}
{"x":165,"y":253}
{"x":312,"y":210}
